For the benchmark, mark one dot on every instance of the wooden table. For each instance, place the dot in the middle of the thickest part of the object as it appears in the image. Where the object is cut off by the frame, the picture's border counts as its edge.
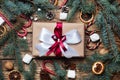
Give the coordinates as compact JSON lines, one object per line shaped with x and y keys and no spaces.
{"x":38,"y":61}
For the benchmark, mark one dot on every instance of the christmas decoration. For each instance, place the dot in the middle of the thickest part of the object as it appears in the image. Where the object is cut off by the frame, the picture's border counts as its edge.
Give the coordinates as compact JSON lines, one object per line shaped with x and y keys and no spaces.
{"x":8,"y":65}
{"x":71,"y":74}
{"x":98,"y":68}
{"x":14,"y":75}
{"x":27,"y":58}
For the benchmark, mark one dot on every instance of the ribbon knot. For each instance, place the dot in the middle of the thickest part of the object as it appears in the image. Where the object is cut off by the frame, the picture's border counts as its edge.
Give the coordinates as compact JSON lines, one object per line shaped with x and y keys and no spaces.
{"x":57,"y":42}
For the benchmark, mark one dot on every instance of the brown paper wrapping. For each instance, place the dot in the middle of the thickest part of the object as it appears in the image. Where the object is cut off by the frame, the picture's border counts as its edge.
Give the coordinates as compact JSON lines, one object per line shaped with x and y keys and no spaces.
{"x":37,"y":27}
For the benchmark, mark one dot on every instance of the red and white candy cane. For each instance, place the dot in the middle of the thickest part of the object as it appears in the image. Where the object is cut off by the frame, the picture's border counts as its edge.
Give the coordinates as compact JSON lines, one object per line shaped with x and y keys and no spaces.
{"x":24,"y":33}
{"x":28,"y":24}
{"x":45,"y":68}
{"x":89,"y":40}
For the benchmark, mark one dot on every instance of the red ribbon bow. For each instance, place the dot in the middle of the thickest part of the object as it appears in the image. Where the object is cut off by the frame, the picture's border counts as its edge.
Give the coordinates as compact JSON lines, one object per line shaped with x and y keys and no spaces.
{"x":59,"y":39}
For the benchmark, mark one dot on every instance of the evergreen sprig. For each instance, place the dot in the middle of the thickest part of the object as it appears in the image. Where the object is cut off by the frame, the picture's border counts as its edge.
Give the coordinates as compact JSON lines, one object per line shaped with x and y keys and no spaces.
{"x":87,"y":7}
{"x":74,"y":9}
{"x":61,"y":74}
{"x":100,"y":22}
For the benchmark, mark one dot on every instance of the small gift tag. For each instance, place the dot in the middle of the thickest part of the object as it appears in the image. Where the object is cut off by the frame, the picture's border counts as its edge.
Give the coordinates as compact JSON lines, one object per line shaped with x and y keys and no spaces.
{"x":1,"y":21}
{"x":27,"y":58}
{"x":71,"y":74}
{"x":94,"y":37}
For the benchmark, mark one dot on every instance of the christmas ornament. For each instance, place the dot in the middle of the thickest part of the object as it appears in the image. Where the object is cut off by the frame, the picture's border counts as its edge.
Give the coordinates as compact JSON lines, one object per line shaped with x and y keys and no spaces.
{"x":50,"y":15}
{"x":86,"y":17}
{"x":14,"y":75}
{"x":3,"y":31}
{"x":44,"y":75}
{"x":9,"y":65}
{"x":27,"y":58}
{"x":98,"y":68}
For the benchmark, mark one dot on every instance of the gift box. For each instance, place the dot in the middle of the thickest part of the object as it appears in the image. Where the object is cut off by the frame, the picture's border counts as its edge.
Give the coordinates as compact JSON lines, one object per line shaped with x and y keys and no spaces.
{"x":71,"y":43}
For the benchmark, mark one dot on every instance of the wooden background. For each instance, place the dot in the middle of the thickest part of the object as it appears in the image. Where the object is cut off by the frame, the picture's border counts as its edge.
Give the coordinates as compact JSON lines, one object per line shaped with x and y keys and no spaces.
{"x":38,"y":61}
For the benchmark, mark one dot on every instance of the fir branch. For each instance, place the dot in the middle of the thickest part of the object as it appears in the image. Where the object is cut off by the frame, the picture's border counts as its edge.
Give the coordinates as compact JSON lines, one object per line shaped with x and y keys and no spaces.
{"x":113,"y":43}
{"x":30,"y":75}
{"x":32,"y":70}
{"x":43,"y":4}
{"x":9,"y":50}
{"x":9,"y":15}
{"x":22,"y":44}
{"x":1,"y":72}
{"x":69,"y":3}
{"x":87,"y":7}
{"x":61,"y":74}
{"x":12,"y":7}
{"x":19,"y":60}
{"x":28,"y":9}
{"x":27,"y":75}
{"x":100,"y":22}
{"x":85,"y":67}
{"x":74,"y":9}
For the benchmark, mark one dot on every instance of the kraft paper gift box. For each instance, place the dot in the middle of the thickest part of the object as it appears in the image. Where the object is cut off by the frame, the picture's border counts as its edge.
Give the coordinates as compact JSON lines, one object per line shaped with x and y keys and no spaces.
{"x":38,"y":26}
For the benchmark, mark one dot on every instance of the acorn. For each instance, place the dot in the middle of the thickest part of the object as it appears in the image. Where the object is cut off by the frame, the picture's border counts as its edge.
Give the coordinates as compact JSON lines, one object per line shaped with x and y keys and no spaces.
{"x":98,"y":68}
{"x":9,"y":65}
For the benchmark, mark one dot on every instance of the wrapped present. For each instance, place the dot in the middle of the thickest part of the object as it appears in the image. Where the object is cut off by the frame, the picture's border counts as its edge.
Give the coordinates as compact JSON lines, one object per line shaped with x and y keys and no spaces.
{"x":58,"y":39}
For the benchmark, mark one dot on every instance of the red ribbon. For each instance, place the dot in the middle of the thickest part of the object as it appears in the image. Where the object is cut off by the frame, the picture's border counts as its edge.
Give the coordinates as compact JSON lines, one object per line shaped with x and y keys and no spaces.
{"x":59,"y":39}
